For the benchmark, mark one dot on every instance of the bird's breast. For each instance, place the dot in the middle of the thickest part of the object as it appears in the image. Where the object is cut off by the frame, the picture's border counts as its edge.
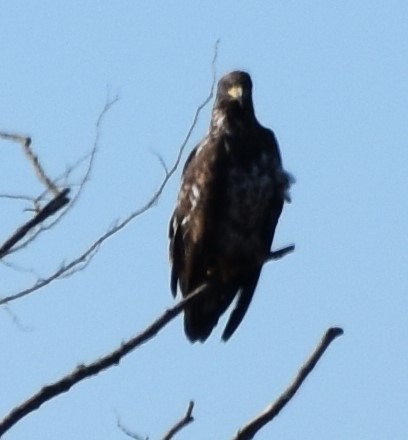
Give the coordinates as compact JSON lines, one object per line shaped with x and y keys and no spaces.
{"x":248,"y":197}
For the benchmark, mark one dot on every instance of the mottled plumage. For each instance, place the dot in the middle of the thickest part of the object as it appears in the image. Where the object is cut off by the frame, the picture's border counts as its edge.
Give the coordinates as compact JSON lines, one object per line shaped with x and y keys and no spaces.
{"x":232,"y":193}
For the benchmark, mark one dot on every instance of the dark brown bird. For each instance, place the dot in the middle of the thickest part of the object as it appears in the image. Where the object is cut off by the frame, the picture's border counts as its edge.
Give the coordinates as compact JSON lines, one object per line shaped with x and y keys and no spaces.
{"x":232,"y":193}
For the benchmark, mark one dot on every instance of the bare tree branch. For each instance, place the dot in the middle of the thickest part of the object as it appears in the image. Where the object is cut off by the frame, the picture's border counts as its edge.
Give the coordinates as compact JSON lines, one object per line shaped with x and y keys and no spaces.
{"x":184,"y":421}
{"x":51,"y":186}
{"x":49,"y":209}
{"x":82,"y":372}
{"x":80,"y":262}
{"x":280,"y":253}
{"x":250,"y":429}
{"x":59,"y":201}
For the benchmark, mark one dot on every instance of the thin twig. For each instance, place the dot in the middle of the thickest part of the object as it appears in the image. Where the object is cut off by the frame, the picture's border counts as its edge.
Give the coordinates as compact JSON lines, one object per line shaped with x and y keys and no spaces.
{"x":25,"y":141}
{"x":16,"y":197}
{"x":16,"y":320}
{"x":250,"y":429}
{"x":38,"y":168}
{"x":127,"y":431}
{"x":82,"y":372}
{"x":110,"y":102}
{"x":184,"y":421}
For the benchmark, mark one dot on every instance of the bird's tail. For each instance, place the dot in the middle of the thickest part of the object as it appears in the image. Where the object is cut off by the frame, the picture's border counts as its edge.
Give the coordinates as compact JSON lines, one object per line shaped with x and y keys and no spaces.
{"x":244,"y":300}
{"x":202,"y":315}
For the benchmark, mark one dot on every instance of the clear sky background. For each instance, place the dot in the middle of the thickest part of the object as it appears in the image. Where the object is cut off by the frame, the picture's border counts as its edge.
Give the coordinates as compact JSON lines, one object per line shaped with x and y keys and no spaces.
{"x":331,"y":79}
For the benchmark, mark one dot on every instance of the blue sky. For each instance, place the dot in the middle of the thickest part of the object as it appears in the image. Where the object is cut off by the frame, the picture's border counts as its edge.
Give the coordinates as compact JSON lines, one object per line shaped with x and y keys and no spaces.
{"x":331,"y":79}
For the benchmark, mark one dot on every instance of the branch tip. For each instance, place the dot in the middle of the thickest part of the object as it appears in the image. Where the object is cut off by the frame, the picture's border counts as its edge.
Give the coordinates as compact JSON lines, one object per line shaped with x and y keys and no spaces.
{"x":183,"y":422}
{"x":249,"y":431}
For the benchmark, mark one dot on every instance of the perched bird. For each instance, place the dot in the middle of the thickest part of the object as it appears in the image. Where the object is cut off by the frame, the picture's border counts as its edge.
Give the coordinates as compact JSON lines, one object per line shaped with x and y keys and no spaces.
{"x":232,"y":193}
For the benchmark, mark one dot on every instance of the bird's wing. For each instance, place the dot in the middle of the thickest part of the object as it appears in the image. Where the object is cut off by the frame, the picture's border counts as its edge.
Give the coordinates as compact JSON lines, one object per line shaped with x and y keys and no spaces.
{"x":282,"y":181}
{"x":195,"y":217}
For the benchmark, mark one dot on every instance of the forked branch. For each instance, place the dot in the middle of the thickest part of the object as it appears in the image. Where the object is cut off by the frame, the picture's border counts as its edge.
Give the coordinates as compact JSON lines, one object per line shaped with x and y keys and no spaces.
{"x":60,"y":196}
{"x":177,"y":427}
{"x":59,"y":200}
{"x":184,"y":421}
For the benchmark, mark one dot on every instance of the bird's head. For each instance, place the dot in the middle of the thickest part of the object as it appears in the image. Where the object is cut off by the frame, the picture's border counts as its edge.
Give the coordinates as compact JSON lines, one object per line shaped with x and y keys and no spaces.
{"x":235,"y":88}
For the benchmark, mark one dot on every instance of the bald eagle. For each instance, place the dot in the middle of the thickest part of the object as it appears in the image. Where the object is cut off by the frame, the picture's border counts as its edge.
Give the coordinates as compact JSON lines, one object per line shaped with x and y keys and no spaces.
{"x":232,"y":193}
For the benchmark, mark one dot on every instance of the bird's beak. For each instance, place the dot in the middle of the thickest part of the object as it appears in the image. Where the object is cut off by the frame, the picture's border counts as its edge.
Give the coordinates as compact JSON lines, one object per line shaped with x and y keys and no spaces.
{"x":236,"y":93}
